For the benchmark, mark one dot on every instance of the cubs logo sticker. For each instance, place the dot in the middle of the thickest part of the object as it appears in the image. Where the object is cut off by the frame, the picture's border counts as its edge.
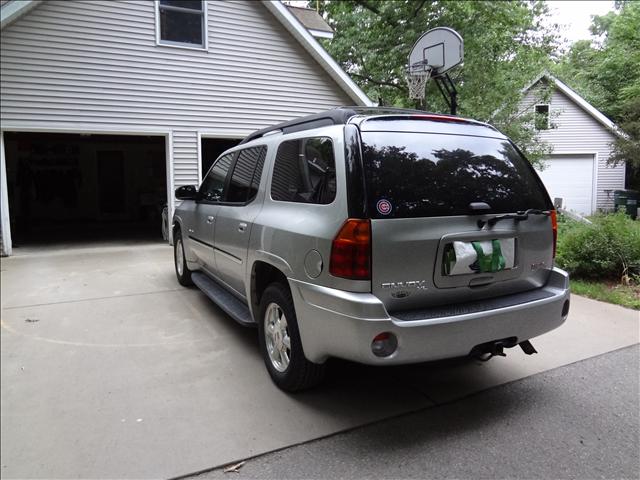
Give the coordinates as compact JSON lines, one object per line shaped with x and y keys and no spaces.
{"x":384,"y":207}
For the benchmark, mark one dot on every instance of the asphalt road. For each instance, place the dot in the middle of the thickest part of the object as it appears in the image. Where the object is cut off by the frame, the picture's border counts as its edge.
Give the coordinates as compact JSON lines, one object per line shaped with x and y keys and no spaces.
{"x":578,"y":421}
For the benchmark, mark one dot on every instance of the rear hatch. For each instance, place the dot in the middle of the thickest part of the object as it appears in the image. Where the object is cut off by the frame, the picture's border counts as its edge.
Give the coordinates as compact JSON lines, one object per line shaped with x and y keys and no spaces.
{"x":433,"y":191}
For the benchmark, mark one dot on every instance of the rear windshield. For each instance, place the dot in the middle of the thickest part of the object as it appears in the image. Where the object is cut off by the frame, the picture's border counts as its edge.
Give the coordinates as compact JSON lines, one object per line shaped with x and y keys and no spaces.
{"x":431,"y":175}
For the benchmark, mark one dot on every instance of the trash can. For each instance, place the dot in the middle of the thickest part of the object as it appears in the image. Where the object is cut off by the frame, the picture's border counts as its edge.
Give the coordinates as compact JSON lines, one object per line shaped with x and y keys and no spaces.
{"x":627,"y":201}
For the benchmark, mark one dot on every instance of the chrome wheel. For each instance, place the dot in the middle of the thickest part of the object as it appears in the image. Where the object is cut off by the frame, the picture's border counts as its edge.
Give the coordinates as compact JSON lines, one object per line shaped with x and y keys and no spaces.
{"x":276,"y":337}
{"x":179,"y":257}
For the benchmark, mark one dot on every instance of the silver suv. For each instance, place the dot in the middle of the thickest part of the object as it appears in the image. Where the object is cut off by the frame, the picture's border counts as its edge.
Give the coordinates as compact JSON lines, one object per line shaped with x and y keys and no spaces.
{"x":382,"y":236}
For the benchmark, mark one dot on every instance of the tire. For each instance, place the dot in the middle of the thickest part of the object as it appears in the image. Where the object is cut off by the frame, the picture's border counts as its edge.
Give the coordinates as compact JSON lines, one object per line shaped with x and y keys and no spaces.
{"x":179,"y":261}
{"x":288,"y":367}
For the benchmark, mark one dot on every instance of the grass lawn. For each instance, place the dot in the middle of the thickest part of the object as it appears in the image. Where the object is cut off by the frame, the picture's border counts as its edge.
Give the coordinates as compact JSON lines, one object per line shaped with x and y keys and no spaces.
{"x":619,"y":294}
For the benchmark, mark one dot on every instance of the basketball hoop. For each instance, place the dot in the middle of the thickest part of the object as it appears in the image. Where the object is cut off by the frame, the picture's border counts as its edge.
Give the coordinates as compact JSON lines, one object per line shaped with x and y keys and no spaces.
{"x":417,"y":81}
{"x":432,"y":56}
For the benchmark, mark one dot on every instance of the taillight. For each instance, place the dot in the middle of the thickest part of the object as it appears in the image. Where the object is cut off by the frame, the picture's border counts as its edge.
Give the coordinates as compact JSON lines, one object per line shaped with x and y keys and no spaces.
{"x":351,"y":251}
{"x":554,"y":228}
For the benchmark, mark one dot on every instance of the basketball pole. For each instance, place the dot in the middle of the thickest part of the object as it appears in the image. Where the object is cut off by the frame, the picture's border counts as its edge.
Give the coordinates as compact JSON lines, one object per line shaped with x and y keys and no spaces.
{"x":448,"y":90}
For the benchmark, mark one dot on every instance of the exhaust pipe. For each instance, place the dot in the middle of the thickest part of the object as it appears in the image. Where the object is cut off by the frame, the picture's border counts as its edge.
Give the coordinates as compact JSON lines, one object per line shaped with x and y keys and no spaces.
{"x":486,"y":351}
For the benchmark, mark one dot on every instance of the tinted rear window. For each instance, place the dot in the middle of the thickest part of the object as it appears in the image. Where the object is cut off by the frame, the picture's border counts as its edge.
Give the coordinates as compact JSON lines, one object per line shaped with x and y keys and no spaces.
{"x":431,"y":175}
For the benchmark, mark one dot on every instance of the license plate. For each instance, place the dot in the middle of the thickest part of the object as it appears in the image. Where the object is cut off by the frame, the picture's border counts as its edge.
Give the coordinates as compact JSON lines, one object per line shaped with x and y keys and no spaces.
{"x":482,"y":256}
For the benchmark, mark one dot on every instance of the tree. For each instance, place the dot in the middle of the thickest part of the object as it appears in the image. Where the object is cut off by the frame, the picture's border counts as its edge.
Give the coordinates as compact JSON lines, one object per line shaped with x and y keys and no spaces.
{"x":607,"y":74}
{"x":506,"y":46}
{"x":626,"y":149}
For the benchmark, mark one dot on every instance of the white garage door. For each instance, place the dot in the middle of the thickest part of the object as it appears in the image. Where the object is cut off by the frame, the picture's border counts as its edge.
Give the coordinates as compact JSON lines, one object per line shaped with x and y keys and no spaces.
{"x":570,"y":177}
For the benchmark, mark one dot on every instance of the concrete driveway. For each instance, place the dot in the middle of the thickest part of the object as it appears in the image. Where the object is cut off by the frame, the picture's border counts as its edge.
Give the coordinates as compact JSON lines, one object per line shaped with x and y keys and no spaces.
{"x":110,"y":369}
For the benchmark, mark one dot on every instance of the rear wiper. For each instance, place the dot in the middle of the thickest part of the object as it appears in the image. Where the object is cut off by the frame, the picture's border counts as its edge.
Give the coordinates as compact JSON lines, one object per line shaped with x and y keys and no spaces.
{"x":518,"y":216}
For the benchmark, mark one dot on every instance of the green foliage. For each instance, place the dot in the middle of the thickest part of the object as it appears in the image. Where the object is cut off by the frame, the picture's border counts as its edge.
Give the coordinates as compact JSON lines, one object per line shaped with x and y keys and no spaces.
{"x":607,"y":249}
{"x":607,"y":74}
{"x":577,"y":69}
{"x":506,"y":46}
{"x":627,"y":148}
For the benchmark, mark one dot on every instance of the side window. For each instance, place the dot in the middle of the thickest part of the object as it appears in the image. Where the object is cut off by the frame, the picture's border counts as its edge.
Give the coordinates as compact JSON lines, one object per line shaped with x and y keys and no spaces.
{"x":212,"y":188}
{"x":246,"y":175}
{"x":305,"y":172}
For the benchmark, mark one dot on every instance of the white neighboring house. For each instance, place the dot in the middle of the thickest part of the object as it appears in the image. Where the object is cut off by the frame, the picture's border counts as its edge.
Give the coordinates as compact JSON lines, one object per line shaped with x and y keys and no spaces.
{"x":581,"y":138}
{"x":170,"y":74}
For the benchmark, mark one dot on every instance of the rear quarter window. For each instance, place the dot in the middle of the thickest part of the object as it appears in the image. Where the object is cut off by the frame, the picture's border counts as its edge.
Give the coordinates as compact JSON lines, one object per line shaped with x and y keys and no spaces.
{"x":412,"y":174}
{"x":305,"y":171}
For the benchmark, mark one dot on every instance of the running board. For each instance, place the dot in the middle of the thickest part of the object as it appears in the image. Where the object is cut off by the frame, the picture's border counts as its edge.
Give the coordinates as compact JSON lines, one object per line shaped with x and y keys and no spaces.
{"x":225,"y":300}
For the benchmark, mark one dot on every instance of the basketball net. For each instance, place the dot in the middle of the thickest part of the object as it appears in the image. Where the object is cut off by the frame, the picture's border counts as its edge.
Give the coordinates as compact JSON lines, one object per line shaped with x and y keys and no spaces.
{"x":417,"y":82}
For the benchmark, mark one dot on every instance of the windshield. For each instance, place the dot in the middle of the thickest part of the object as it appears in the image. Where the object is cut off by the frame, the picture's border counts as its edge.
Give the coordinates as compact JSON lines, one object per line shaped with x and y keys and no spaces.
{"x":427,"y":175}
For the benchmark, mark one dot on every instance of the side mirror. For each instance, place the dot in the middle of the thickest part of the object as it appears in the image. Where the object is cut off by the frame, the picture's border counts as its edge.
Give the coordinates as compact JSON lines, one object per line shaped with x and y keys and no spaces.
{"x":187,"y":192}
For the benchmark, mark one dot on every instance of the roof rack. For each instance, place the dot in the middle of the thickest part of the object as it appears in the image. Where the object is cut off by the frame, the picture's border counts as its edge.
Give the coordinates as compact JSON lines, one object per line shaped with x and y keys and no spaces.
{"x":341,"y":115}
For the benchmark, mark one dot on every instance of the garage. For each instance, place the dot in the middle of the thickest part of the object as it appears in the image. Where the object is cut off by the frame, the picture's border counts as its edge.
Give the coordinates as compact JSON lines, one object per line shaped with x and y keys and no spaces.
{"x":570,"y":177}
{"x":67,"y":188}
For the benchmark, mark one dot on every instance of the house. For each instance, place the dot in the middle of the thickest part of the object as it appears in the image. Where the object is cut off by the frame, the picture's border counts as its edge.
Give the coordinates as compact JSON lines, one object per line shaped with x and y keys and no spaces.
{"x":581,"y":137}
{"x":107,"y":107}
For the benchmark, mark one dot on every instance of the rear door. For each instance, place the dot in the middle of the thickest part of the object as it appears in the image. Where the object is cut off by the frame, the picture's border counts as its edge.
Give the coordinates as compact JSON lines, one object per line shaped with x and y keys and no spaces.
{"x":235,"y":217}
{"x":426,"y":187}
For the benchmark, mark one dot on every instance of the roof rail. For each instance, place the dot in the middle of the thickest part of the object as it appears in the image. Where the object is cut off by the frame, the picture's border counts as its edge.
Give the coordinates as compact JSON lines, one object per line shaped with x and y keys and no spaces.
{"x":336,"y":116}
{"x":341,"y":115}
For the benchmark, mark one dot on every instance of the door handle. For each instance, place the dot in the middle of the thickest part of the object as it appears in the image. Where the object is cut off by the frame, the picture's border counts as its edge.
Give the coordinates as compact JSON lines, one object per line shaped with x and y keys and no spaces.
{"x":242,"y":227}
{"x":210,"y":219}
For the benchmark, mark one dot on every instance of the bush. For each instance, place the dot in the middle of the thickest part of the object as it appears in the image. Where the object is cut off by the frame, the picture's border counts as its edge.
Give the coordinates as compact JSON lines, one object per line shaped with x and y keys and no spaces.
{"x":607,"y":249}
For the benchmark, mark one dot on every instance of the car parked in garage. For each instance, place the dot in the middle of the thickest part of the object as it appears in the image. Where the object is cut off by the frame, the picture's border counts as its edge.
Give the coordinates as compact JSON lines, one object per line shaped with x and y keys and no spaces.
{"x":381,"y":236}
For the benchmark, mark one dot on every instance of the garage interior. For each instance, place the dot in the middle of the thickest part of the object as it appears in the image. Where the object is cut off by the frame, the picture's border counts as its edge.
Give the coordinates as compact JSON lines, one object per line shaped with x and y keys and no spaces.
{"x":212,"y":148}
{"x":82,"y":188}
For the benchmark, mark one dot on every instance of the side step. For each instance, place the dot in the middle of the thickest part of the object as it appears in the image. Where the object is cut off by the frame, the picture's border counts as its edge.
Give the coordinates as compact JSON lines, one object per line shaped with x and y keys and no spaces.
{"x":225,"y":300}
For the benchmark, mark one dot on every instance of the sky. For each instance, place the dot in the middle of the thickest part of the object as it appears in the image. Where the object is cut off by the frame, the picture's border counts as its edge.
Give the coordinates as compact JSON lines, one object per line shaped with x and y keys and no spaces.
{"x":576,"y":16}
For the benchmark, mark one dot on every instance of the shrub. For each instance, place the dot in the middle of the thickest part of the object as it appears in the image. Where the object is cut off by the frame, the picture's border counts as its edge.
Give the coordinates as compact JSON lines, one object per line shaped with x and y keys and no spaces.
{"x":607,"y":249}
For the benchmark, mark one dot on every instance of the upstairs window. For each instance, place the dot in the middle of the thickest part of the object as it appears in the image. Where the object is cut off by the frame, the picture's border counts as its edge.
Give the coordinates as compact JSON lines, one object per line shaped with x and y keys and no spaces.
{"x":182,"y":23}
{"x":542,"y":117}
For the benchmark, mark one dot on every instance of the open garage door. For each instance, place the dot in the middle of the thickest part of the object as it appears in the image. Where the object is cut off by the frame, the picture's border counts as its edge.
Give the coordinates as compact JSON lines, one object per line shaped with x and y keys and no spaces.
{"x":78,"y":188}
{"x":570,"y":177}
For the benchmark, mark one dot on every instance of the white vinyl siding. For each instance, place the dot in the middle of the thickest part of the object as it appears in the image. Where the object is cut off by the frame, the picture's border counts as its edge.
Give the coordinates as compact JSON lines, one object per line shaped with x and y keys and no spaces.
{"x":185,"y":148}
{"x":95,"y":65}
{"x":574,"y":131}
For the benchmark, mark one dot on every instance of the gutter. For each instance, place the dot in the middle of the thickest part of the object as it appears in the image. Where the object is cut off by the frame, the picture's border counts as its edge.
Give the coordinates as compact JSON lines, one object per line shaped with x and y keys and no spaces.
{"x":13,"y":10}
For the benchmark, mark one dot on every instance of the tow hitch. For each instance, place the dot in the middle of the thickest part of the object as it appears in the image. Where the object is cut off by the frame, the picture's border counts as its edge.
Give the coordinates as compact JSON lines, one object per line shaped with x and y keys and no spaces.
{"x":495,"y":348}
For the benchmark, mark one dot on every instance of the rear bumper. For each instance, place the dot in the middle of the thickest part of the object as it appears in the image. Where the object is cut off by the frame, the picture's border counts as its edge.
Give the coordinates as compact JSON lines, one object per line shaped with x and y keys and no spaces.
{"x":334,"y":323}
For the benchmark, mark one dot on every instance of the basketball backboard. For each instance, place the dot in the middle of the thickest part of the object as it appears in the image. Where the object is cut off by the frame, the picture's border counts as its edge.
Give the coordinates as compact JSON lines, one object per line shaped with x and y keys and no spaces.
{"x":439,"y":50}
